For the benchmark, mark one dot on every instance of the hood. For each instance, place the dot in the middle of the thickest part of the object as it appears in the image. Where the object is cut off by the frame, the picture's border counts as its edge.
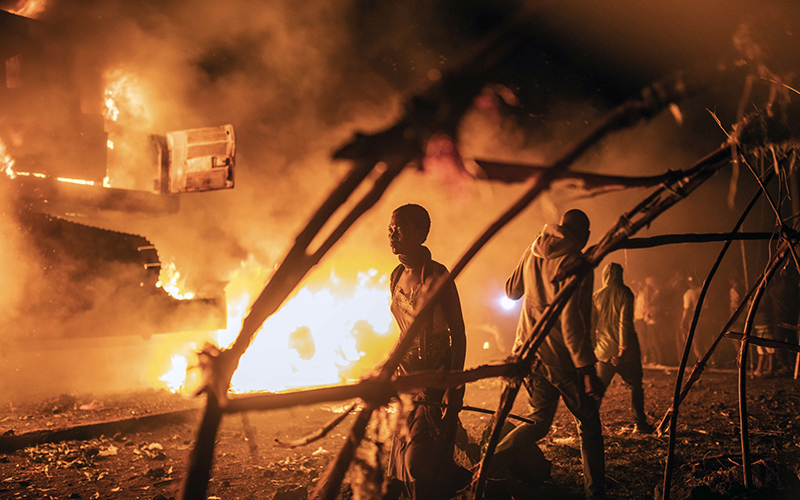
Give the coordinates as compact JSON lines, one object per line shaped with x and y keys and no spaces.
{"x":612,"y":274}
{"x":554,"y":242}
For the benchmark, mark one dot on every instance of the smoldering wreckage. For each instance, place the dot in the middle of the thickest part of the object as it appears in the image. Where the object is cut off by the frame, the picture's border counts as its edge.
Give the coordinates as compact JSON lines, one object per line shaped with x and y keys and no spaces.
{"x":751,"y":452}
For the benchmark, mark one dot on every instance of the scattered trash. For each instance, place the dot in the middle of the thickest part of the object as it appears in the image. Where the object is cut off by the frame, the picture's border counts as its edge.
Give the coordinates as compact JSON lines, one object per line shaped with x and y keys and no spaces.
{"x":93,"y":406}
{"x":291,"y":492}
{"x":110,"y":451}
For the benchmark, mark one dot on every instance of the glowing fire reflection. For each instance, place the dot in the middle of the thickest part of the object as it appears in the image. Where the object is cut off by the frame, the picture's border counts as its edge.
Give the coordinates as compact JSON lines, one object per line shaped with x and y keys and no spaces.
{"x":29,"y":8}
{"x":330,"y":331}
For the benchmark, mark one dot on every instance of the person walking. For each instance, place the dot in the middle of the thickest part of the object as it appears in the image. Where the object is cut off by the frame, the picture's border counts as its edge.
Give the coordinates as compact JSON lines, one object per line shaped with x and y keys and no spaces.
{"x":616,"y":343}
{"x":565,"y":364}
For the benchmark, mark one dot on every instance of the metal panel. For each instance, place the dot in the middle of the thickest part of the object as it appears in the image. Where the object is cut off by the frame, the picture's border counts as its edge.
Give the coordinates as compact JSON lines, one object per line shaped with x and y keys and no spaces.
{"x":201,"y":159}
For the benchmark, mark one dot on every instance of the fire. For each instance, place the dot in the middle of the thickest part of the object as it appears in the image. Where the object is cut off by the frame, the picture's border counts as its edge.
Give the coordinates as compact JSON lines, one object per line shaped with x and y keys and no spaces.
{"x":124,"y":96}
{"x":29,"y":8}
{"x":76,"y":181}
{"x":168,"y":280}
{"x":175,"y":379}
{"x":6,"y":162}
{"x":331,"y":330}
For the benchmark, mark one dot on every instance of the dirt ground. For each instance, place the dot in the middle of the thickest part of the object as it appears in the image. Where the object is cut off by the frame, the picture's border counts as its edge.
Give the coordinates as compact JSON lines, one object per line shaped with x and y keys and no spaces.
{"x":147,"y":463}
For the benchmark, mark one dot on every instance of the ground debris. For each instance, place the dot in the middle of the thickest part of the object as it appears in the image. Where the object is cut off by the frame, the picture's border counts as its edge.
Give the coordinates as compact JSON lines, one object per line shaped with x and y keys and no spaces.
{"x":291,"y":492}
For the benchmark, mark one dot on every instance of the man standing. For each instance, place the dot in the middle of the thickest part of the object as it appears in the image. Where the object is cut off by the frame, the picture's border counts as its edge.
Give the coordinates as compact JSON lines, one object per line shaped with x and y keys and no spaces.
{"x":565,"y":366}
{"x":616,"y":344}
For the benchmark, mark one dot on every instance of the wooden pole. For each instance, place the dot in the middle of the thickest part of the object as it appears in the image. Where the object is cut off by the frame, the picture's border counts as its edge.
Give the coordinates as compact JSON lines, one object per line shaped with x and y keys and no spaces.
{"x":743,"y":424}
{"x":687,"y":348}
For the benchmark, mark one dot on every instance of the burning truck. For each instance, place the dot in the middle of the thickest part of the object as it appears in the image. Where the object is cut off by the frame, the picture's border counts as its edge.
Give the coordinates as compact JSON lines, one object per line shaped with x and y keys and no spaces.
{"x":63,"y":169}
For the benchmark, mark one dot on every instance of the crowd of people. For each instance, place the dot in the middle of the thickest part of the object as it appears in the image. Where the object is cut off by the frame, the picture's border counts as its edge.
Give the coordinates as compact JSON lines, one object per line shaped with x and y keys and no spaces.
{"x":664,"y":310}
{"x":599,"y":334}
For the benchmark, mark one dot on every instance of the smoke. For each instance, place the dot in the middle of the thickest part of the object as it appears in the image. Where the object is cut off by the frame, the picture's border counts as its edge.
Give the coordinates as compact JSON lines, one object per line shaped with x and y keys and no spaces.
{"x":298,"y":79}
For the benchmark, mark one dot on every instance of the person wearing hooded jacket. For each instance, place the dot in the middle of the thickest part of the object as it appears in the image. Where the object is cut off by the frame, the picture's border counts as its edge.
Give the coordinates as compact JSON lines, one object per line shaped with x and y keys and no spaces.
{"x":565,"y":365}
{"x":616,"y":343}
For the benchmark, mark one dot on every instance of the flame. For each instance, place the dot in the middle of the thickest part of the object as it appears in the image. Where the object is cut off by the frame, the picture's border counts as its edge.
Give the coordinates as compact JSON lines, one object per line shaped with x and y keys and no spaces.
{"x":7,"y":165}
{"x":29,"y":8}
{"x":73,"y":181}
{"x":332,"y":330}
{"x":175,"y":379}
{"x":6,"y":162}
{"x":124,"y":96}
{"x":168,"y":280}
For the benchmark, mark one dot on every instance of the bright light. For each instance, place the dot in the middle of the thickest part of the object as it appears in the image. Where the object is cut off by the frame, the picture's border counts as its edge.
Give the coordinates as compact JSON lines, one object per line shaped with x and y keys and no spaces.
{"x":507,"y":303}
{"x":75,"y":181}
{"x":486,"y":346}
{"x":335,"y":328}
{"x":177,"y":375}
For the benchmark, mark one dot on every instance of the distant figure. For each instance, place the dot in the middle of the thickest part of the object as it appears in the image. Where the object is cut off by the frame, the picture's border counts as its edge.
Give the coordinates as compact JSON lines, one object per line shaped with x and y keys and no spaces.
{"x":617,"y":345}
{"x":566,"y":361}
{"x":785,"y":293}
{"x":764,"y":327}
{"x":647,"y":307}
{"x":423,"y":461}
{"x":691,"y":298}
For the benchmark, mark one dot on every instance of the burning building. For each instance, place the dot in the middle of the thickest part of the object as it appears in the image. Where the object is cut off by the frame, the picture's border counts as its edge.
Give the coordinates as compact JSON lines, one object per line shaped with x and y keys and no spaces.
{"x":66,"y":164}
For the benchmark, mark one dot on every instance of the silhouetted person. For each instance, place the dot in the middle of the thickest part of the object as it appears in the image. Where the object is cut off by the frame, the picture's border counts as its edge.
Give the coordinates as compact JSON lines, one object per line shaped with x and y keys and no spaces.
{"x":423,"y":460}
{"x":690,"y":301}
{"x":785,"y":292}
{"x":616,"y":343}
{"x":764,"y":327}
{"x":565,"y":367}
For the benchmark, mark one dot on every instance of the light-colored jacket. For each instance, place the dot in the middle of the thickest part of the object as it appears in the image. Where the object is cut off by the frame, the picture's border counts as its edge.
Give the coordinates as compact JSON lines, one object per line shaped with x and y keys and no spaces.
{"x":613,"y":305}
{"x":568,"y":345}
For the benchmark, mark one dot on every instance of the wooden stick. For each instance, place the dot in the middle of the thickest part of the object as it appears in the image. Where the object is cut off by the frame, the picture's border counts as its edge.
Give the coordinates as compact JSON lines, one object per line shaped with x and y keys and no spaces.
{"x":772,"y":344}
{"x":743,"y":348}
{"x":673,"y":239}
{"x":291,"y":271}
{"x":781,"y":224}
{"x":370,"y":389}
{"x":195,"y":481}
{"x":517,"y":172}
{"x":688,"y":347}
{"x":319,"y":434}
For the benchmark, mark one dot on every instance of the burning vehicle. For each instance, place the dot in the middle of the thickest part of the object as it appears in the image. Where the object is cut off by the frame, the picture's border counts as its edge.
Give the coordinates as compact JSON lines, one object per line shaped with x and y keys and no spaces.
{"x":66,"y":164}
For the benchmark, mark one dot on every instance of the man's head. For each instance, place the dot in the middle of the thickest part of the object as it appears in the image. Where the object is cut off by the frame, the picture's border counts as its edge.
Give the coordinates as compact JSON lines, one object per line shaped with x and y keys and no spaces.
{"x":612,"y":274}
{"x":408,"y":228}
{"x":576,"y":224}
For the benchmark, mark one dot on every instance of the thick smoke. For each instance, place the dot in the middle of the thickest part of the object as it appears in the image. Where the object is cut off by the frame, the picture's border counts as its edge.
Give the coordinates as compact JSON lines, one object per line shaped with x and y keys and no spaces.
{"x":297,"y":79}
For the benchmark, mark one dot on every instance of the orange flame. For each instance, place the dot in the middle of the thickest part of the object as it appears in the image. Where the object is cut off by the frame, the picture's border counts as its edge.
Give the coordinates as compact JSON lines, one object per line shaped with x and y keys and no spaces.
{"x":168,"y":280}
{"x":331,"y":330}
{"x":29,"y":8}
{"x":6,"y":162}
{"x":124,"y":96}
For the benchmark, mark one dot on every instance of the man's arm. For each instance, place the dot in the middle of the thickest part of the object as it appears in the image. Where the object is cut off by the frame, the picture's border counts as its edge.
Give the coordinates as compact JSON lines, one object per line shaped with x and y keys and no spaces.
{"x":515,"y":285}
{"x":451,"y":308}
{"x":575,"y":327}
